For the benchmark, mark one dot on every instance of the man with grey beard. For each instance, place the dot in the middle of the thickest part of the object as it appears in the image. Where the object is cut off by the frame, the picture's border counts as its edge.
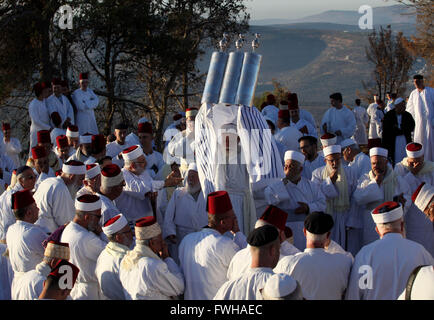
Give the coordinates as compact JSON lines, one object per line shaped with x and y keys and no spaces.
{"x":55,"y":196}
{"x":185,"y":213}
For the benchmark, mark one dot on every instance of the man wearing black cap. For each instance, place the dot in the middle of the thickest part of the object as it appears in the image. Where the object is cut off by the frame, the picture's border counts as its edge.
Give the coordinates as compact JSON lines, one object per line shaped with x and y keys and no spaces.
{"x":265,"y":250}
{"x":421,"y":106}
{"x":338,"y":120}
{"x":117,"y":146}
{"x":322,"y":275}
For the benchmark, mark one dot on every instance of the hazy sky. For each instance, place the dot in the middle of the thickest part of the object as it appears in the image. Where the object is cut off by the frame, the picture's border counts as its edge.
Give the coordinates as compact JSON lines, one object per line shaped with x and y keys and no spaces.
{"x":292,"y":9}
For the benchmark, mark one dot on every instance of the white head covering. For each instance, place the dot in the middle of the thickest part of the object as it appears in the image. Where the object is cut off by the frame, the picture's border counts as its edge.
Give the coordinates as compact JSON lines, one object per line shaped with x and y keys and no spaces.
{"x":115,"y":224}
{"x":72,"y":134}
{"x":74,"y":169}
{"x":398,"y":101}
{"x":87,"y":206}
{"x":294,"y":155}
{"x":335,"y":148}
{"x":85,"y":139}
{"x":388,"y":215}
{"x":378,"y":152}
{"x":414,"y":150}
{"x":92,"y":172}
{"x":347,"y":142}
{"x":133,"y":154}
{"x":278,"y":286}
{"x":423,"y":198}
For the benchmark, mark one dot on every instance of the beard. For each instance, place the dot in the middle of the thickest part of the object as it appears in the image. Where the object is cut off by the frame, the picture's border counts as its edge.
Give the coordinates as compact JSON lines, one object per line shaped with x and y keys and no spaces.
{"x":192,"y":189}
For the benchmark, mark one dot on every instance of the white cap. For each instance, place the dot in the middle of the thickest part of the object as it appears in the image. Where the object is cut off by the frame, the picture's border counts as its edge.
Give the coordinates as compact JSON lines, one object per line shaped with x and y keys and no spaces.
{"x":70,"y":169}
{"x":192,"y":166}
{"x":378,"y":152}
{"x":278,"y":286}
{"x":87,"y":206}
{"x":414,"y":150}
{"x":115,"y":224}
{"x":85,"y":139}
{"x":398,"y":101}
{"x":294,"y":155}
{"x":423,"y":196}
{"x":347,"y":142}
{"x":387,"y":212}
{"x":328,"y":139}
{"x":335,"y":148}
{"x":92,"y":171}
{"x":72,"y":134}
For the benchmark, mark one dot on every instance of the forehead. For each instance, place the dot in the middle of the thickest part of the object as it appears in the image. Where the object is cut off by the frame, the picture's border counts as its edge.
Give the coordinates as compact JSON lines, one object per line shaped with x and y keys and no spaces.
{"x":378,"y":159}
{"x":333,"y":156}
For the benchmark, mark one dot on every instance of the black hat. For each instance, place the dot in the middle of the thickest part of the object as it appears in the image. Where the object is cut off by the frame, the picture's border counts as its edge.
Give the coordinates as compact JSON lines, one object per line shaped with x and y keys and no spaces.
{"x":262,"y":236}
{"x":418,"y":77}
{"x":121,"y":126}
{"x":336,"y":96}
{"x":318,"y":222}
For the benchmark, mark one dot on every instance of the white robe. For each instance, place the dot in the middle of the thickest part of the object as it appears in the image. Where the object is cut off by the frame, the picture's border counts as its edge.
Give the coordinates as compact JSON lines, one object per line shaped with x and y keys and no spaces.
{"x":288,"y":136}
{"x":423,"y":286}
{"x":286,"y":197}
{"x":183,"y":215}
{"x":114,"y":148}
{"x":6,"y":275}
{"x":309,"y":167}
{"x":375,"y":121}
{"x":152,"y":279}
{"x":61,"y":106}
{"x":311,"y":130}
{"x":154,"y":162}
{"x":182,"y":146}
{"x":86,"y":102}
{"x":362,"y":119}
{"x":321,"y":275}
{"x":108,"y":208}
{"x":245,"y":287}
{"x":391,"y":259}
{"x":107,"y":271}
{"x":7,"y":217}
{"x":29,"y":286}
{"x":41,"y":177}
{"x":421,"y":107}
{"x":417,"y":225}
{"x":342,"y":119}
{"x":13,"y":149}
{"x":361,"y":164}
{"x":56,"y":206}
{"x":40,"y":118}
{"x":369,"y":195}
{"x":85,"y":248}
{"x":205,"y":257}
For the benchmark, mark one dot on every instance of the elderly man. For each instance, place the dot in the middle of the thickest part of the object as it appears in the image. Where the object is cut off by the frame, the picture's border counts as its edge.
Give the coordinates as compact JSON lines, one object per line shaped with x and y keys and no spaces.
{"x":355,"y":158}
{"x":85,"y":245}
{"x":205,"y":255}
{"x":416,"y":170}
{"x":338,"y":120}
{"x":12,"y":145}
{"x":288,"y":135}
{"x":73,"y":138}
{"x":147,"y":272}
{"x":337,"y":182}
{"x":276,"y":217}
{"x":309,"y":148}
{"x":423,"y":199}
{"x":24,"y":238}
{"x":86,"y":101}
{"x":26,"y":179}
{"x":55,"y":287}
{"x":398,"y":126}
{"x":92,"y":180}
{"x":186,"y":211}
{"x":322,"y":275}
{"x":84,"y":150}
{"x":112,"y":184}
{"x":55,"y":196}
{"x":120,"y":238}
{"x":42,"y":168}
{"x":57,"y":102}
{"x":381,"y":268}
{"x":139,"y":191}
{"x":29,"y":286}
{"x":379,"y":185}
{"x":421,"y":106}
{"x":265,"y":251}
{"x":296,"y":195}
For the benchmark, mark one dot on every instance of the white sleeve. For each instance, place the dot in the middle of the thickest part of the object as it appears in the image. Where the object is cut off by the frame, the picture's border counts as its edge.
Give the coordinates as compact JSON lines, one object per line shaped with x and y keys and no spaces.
{"x":326,"y":186}
{"x":34,"y":116}
{"x":166,"y":277}
{"x":169,"y":227}
{"x":79,"y":101}
{"x":367,"y":191}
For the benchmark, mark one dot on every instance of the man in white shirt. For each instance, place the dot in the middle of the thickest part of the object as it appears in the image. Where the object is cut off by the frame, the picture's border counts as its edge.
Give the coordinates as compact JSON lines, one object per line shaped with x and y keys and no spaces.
{"x":288,"y":135}
{"x":120,"y":238}
{"x":362,"y":119}
{"x":154,"y":159}
{"x":62,"y":149}
{"x":313,"y":160}
{"x":42,"y":168}
{"x":376,"y":115}
{"x":381,"y":268}
{"x":112,"y":184}
{"x":84,"y":150}
{"x":92,"y":180}
{"x":38,"y":113}
{"x":322,"y":275}
{"x":113,"y":149}
{"x":57,"y":102}
{"x":148,"y":272}
{"x":85,"y":245}
{"x":12,"y":145}
{"x":270,"y":110}
{"x":355,"y":158}
{"x":265,"y":251}
{"x":86,"y":101}
{"x":205,"y":255}
{"x":73,"y":138}
{"x":304,"y":126}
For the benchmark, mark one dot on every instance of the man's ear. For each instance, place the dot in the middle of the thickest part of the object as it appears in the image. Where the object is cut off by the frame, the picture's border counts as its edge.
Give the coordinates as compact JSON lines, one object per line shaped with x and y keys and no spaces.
{"x":328,"y":235}
{"x":376,"y":229}
{"x":304,"y":231}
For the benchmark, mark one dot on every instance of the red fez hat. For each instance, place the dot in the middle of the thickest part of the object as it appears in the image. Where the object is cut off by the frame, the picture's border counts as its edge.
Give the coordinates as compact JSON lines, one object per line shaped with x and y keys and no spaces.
{"x":145,"y":127}
{"x":37,"y":87}
{"x":98,"y":143}
{"x":44,"y":136}
{"x":416,"y":193}
{"x":328,"y":136}
{"x":22,"y":199}
{"x":56,"y":82}
{"x":385,"y":207}
{"x":6,"y":126}
{"x":275,"y":216}
{"x":218,"y":202}
{"x":293,"y":101}
{"x":112,"y":220}
{"x":58,"y":172}
{"x":283,"y":114}
{"x":62,"y":141}
{"x":57,"y":120}
{"x":58,"y":272}
{"x":110,"y":170}
{"x":84,"y":75}
{"x":39,"y":152}
{"x":146,"y":221}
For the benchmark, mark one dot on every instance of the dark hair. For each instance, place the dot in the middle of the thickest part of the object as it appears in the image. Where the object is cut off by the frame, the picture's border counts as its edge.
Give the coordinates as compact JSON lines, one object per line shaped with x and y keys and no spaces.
{"x":101,"y":161}
{"x":336,"y":96}
{"x":393,"y":95}
{"x":358,"y":102}
{"x":311,"y":139}
{"x":111,"y":137}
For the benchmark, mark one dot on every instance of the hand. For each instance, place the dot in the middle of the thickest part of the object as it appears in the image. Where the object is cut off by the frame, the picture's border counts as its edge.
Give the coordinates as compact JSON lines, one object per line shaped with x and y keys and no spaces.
{"x":164,"y":253}
{"x":334,"y":175}
{"x":235,"y":227}
{"x":379,"y":179}
{"x":304,"y":130}
{"x":416,"y":169}
{"x":302,"y":209}
{"x":172,"y":238}
{"x":172,"y":180}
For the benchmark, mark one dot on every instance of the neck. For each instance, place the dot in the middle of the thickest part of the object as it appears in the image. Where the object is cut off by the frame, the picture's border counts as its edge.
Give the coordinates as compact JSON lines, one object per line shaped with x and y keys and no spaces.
{"x":80,"y":222}
{"x":257,"y":262}
{"x":147,"y":150}
{"x":339,"y":107}
{"x":421,"y":89}
{"x":314,"y":245}
{"x":295,"y":180}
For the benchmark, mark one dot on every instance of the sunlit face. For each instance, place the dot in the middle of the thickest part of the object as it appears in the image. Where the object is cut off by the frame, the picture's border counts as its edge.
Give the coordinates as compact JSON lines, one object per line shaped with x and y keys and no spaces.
{"x":429,"y":211}
{"x":379,"y":165}
{"x":140,"y":165}
{"x":84,"y":84}
{"x":86,"y":148}
{"x":333,"y":161}
{"x":63,"y":152}
{"x":292,"y":169}
{"x":145,"y":140}
{"x":415,"y":164}
{"x":42,"y":165}
{"x":28,"y":179}
{"x":120,"y":135}
{"x":73,"y":142}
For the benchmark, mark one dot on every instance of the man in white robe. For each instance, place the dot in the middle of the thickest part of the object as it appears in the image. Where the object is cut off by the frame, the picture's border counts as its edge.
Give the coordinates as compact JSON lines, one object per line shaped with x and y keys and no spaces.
{"x":270,"y":110}
{"x":264,"y":247}
{"x":38,"y":114}
{"x":381,"y":268}
{"x":92,"y":180}
{"x":379,"y":185}
{"x":114,"y":148}
{"x":41,"y":165}
{"x":421,"y":106}
{"x":29,"y":286}
{"x":73,"y":139}
{"x":12,"y":145}
{"x":62,"y":150}
{"x":288,"y":135}
{"x":57,"y":102}
{"x":26,"y":179}
{"x":205,"y":255}
{"x":240,"y":263}
{"x":86,"y":101}
{"x":416,"y":170}
{"x":112,"y":184}
{"x":84,"y":150}
{"x":322,"y":275}
{"x":82,"y":234}
{"x":154,"y":159}
{"x":304,"y":126}
{"x":304,"y":114}
{"x":362,"y":120}
{"x":120,"y":238}
{"x":355,"y":158}
{"x":376,"y":116}
{"x":185,"y":213}
{"x":313,"y":160}
{"x":55,"y":196}
{"x":296,"y":195}
{"x":24,"y":238}
{"x":339,"y":119}
{"x":148,"y":272}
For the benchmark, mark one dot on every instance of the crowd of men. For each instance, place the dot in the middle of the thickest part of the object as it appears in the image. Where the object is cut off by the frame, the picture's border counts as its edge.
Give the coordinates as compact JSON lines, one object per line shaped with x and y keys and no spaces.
{"x":89,"y":217}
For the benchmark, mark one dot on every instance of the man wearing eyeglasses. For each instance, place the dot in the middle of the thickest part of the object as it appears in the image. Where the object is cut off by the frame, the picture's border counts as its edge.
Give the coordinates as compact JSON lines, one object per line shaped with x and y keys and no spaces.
{"x":82,"y":234}
{"x":26,"y":179}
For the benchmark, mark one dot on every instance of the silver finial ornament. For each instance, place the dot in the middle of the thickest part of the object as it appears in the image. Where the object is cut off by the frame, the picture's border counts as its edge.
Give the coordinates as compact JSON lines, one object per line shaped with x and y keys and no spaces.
{"x":255,"y":42}
{"x":223,"y":44}
{"x":239,"y":43}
